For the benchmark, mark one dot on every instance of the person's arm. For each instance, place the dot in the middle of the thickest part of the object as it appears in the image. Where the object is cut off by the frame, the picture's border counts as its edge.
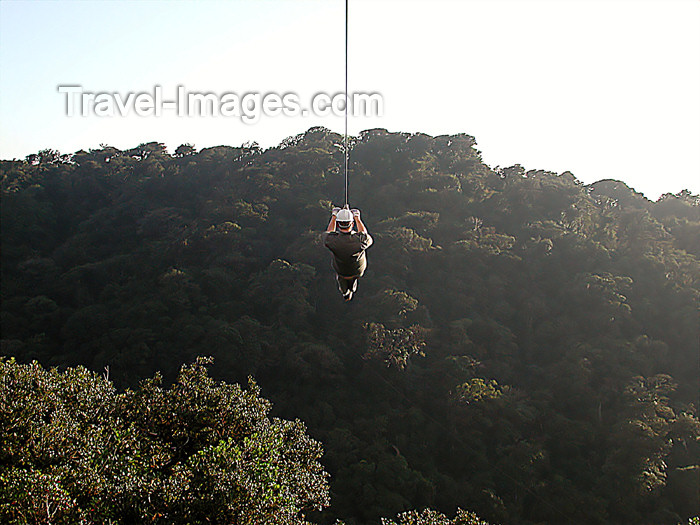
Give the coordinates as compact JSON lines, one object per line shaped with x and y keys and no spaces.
{"x":359,"y":225}
{"x":331,"y":225}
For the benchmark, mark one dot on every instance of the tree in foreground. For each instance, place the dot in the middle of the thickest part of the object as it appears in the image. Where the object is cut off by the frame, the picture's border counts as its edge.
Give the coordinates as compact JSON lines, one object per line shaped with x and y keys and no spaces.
{"x":431,"y":517}
{"x":74,"y":450}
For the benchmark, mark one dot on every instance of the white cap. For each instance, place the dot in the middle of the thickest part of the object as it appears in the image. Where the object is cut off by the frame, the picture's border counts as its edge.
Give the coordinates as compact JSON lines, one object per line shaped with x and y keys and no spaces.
{"x":344,"y":215}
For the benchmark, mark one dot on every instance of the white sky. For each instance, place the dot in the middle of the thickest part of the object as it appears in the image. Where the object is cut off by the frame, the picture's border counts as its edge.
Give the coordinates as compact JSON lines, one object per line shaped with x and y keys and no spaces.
{"x":602,"y":88}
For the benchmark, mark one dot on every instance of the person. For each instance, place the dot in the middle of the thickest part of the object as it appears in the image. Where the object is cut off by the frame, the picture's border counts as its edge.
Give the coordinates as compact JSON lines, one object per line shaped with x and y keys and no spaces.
{"x":348,"y":246}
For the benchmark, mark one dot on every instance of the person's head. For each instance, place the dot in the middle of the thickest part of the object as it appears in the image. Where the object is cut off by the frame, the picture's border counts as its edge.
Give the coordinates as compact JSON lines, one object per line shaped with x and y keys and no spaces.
{"x":344,"y":220}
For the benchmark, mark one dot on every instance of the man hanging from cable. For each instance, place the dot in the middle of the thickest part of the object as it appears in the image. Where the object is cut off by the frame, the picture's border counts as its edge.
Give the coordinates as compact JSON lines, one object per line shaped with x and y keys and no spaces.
{"x":348,"y":246}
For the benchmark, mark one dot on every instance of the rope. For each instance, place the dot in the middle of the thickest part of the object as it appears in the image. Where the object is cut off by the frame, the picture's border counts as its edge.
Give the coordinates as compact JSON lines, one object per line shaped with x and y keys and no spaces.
{"x":345,"y":140}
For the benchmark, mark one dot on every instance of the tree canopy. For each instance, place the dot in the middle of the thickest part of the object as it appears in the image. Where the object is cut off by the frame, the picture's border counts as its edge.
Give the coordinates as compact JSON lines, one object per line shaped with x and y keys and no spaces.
{"x":522,"y":345}
{"x":201,"y":451}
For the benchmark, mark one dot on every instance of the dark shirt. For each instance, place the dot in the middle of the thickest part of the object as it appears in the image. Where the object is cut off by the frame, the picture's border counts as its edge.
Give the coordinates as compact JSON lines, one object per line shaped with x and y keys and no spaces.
{"x":348,"y":249}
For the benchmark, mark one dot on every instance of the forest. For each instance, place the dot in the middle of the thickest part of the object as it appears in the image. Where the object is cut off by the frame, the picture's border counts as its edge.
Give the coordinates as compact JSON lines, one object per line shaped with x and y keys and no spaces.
{"x":523,"y":348}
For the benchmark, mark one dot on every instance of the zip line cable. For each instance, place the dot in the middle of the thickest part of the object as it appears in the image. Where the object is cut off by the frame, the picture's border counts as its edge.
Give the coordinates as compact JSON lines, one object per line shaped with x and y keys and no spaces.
{"x":345,"y":140}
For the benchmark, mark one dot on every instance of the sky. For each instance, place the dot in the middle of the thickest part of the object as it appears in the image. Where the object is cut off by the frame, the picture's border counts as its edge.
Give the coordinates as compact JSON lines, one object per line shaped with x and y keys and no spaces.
{"x":602,"y":88}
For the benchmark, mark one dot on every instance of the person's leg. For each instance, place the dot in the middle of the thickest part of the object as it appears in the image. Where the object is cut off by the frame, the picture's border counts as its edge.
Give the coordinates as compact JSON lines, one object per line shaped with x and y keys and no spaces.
{"x":352,"y":284}
{"x":343,"y":285}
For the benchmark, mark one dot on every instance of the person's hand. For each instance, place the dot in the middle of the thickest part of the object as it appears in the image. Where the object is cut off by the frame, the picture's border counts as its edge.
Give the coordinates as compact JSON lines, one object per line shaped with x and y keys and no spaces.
{"x":355,"y":213}
{"x":335,"y":211}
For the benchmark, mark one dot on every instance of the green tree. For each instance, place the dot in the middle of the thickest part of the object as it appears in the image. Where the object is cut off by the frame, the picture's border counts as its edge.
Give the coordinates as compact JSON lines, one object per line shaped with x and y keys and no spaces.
{"x":431,"y":517}
{"x":76,"y":450}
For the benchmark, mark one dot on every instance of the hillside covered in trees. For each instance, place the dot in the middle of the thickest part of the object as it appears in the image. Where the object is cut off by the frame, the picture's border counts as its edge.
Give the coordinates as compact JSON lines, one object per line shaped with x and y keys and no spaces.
{"x":522,"y":345}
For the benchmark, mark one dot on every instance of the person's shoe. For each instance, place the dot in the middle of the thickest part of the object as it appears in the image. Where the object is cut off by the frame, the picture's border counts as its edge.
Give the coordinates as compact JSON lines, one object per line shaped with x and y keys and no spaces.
{"x":348,"y":296}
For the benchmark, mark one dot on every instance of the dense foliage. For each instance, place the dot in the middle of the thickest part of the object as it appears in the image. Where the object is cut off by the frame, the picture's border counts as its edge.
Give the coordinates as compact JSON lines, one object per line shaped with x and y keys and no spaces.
{"x":522,"y":345}
{"x":75,"y":451}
